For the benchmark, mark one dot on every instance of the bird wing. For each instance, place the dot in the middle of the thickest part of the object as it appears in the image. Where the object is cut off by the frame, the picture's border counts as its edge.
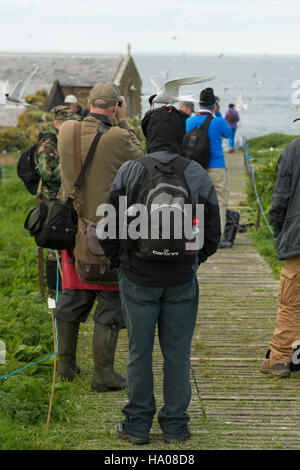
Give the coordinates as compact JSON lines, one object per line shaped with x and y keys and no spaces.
{"x":172,"y":86}
{"x":20,"y":87}
{"x":159,"y":79}
{"x":240,"y":104}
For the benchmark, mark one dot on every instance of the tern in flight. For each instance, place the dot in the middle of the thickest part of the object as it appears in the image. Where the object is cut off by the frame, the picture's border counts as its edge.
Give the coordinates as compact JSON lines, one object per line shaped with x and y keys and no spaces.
{"x":240,"y":105}
{"x":16,"y":95}
{"x":168,"y":91}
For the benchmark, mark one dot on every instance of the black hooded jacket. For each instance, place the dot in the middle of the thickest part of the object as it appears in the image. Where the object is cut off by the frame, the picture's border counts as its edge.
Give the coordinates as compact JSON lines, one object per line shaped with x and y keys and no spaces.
{"x":285,"y":212}
{"x":163,"y":141}
{"x":164,"y":129}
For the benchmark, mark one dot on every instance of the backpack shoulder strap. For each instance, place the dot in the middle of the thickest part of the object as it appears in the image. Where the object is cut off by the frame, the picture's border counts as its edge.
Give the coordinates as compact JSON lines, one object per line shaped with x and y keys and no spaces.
{"x":206,"y":123}
{"x":103,"y":128}
{"x":148,"y":162}
{"x":77,"y":149}
{"x":181,"y":163}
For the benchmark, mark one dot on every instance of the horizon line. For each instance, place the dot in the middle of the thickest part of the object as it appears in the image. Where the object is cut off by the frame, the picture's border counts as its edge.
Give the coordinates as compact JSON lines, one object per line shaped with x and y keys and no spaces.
{"x":183,"y":54}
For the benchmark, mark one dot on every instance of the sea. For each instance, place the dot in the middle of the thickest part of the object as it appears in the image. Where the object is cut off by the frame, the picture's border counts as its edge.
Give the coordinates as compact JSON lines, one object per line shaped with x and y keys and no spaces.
{"x":265,"y":88}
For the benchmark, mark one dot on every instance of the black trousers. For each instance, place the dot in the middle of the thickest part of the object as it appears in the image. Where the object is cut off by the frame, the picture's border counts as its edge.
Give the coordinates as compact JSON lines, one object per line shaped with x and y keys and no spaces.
{"x":75,"y":305}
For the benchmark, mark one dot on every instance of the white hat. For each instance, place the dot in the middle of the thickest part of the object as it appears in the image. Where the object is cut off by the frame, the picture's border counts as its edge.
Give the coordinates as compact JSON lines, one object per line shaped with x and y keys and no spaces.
{"x":71,"y":99}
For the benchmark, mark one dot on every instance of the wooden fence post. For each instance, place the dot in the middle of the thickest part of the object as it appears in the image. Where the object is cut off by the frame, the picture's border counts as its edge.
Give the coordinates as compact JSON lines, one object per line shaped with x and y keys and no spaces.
{"x":258,"y":215}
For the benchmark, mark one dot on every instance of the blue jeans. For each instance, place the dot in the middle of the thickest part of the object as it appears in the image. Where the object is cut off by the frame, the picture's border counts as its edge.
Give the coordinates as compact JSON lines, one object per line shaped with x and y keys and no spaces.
{"x":174,"y":310}
{"x":231,"y":139}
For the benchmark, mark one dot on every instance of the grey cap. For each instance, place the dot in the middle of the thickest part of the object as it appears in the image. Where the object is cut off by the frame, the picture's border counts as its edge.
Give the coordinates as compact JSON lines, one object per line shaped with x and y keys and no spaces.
{"x":188,"y":104}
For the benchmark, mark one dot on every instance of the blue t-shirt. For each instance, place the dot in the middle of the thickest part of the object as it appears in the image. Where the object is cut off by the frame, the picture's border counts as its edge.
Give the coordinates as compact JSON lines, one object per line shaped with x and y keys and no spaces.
{"x":217,"y":129}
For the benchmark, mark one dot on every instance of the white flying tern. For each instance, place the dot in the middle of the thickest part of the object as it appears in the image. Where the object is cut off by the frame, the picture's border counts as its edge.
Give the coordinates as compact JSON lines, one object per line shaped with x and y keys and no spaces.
{"x":168,"y":91}
{"x":16,"y":95}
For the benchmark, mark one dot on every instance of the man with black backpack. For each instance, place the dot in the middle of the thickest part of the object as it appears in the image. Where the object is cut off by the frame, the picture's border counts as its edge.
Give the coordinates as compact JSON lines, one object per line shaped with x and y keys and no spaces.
{"x":157,"y":275}
{"x":212,"y":156}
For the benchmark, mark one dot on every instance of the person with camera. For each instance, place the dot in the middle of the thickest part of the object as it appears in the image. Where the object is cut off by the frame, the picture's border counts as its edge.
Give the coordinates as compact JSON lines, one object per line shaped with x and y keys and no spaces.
{"x":118,"y":144}
{"x":216,"y":170}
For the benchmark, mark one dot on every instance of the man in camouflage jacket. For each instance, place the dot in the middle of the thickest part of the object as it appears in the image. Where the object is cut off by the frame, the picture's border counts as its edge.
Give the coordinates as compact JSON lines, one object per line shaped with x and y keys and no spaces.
{"x":46,"y":157}
{"x":47,"y":164}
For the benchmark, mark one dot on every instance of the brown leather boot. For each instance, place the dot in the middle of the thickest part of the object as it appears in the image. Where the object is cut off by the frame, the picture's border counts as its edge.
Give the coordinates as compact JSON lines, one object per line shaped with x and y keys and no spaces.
{"x":281,"y":370}
{"x":105,"y":378}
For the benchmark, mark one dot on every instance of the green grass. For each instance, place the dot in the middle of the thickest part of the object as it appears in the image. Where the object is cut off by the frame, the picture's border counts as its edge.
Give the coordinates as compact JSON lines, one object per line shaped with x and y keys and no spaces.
{"x":25,"y":328}
{"x":268,"y":147}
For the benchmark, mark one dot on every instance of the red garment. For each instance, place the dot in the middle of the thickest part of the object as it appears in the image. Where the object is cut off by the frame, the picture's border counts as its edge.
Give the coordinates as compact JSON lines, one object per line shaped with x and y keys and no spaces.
{"x":70,"y":279}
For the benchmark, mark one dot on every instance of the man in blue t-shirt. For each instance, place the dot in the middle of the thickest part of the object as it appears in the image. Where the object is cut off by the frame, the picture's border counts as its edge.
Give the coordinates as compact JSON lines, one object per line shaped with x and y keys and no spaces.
{"x":217,"y":171}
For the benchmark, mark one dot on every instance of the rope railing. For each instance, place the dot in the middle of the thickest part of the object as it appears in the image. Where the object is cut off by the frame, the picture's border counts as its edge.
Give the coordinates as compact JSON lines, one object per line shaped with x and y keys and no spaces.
{"x":252,"y":175}
{"x":56,"y":352}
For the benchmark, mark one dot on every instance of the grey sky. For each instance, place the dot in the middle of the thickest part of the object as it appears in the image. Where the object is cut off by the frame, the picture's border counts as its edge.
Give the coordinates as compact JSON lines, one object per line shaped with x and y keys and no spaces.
{"x":151,"y":26}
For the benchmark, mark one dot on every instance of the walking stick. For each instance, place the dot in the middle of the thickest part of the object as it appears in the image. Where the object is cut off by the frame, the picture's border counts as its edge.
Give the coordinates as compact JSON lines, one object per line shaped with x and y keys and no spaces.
{"x":51,"y":305}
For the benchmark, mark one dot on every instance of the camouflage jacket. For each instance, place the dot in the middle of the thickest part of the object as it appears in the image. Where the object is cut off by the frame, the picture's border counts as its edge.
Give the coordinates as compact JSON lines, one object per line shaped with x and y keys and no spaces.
{"x":47,"y":164}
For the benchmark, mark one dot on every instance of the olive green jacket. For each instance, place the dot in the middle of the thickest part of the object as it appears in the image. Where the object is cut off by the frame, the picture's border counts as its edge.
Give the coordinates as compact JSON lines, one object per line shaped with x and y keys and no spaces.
{"x":116,"y":146}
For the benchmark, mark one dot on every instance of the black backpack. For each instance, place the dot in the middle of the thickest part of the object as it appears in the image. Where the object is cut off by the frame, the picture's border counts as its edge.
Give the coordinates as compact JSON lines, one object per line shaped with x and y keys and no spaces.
{"x":26,"y":167}
{"x":232,"y":225}
{"x":53,"y":224}
{"x":164,"y":185}
{"x":195,"y":144}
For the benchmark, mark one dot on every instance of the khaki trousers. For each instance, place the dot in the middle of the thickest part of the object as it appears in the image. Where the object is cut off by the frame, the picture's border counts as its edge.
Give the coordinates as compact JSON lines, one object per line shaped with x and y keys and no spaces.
{"x":219,"y":178}
{"x":288,"y":317}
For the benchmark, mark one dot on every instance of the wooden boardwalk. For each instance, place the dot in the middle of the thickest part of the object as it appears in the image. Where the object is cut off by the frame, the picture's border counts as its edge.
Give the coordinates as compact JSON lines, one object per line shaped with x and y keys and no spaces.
{"x":238,"y":304}
{"x":233,"y":405}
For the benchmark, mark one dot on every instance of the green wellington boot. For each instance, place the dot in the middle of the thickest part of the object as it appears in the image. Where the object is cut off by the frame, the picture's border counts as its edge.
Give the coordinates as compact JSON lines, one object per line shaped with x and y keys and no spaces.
{"x":105,"y":378}
{"x":67,"y":333}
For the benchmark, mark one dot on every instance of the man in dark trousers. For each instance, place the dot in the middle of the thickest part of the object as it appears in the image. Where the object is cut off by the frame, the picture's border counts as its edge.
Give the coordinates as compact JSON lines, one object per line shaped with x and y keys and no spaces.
{"x":75,"y":302}
{"x":158,"y":292}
